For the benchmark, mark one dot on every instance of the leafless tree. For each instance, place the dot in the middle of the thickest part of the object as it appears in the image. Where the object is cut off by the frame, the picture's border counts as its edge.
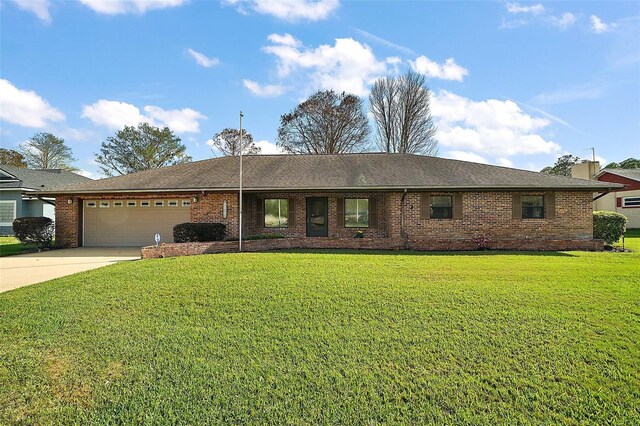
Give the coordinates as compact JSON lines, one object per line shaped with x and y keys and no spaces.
{"x":46,"y":151}
{"x":401,"y":109}
{"x":228,"y":143}
{"x":326,"y":123}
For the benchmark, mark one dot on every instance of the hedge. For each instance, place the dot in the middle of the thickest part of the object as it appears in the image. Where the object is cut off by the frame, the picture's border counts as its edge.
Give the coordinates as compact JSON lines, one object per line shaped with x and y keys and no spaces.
{"x":34,"y":230}
{"x":608,"y":226}
{"x":198,"y":232}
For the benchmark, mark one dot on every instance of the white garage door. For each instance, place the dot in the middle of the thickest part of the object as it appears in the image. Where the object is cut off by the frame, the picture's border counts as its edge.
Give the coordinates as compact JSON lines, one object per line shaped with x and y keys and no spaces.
{"x":118,"y":223}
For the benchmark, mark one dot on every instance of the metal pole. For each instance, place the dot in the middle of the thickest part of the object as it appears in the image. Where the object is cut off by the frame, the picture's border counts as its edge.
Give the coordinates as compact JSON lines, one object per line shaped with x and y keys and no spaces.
{"x":240,"y":209}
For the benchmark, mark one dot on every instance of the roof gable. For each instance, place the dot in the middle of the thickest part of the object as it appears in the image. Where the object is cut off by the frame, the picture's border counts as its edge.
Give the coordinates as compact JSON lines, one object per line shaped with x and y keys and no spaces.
{"x":630,"y":178}
{"x":37,"y":179}
{"x":369,"y":171}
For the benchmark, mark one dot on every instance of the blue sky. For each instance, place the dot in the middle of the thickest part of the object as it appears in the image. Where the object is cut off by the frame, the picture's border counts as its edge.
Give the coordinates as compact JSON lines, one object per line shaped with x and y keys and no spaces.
{"x":514,"y":84}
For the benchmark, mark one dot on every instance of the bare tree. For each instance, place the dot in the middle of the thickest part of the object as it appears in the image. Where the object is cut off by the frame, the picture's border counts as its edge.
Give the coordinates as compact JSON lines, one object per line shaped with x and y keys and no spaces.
{"x":401,"y":109}
{"x":228,"y":143}
{"x":46,"y":151}
{"x":326,"y":123}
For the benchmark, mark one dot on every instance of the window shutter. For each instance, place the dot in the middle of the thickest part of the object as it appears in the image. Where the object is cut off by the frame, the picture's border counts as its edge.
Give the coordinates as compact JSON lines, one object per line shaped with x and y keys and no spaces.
{"x":457,"y":205}
{"x":292,"y":212}
{"x":517,"y":206}
{"x":373,"y":213}
{"x":618,"y":201}
{"x":260,"y":212}
{"x":340,"y":212}
{"x":550,"y":205}
{"x":425,"y":205}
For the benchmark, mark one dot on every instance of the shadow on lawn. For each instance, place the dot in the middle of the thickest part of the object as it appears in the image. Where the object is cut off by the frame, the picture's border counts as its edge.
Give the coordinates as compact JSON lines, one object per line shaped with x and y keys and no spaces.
{"x":430,"y":253}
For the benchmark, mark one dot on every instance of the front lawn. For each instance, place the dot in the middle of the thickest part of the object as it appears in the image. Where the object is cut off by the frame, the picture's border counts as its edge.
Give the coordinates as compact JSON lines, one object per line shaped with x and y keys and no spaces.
{"x":307,"y":338}
{"x":10,"y":246}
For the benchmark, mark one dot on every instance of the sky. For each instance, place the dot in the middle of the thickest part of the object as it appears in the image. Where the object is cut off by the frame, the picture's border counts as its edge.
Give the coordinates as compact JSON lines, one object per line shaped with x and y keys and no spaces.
{"x":513,"y":84}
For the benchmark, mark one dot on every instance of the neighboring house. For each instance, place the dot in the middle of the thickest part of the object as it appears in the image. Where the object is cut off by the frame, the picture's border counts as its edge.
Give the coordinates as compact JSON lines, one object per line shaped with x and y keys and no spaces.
{"x":20,"y":193}
{"x":397,"y":200}
{"x":624,"y":200}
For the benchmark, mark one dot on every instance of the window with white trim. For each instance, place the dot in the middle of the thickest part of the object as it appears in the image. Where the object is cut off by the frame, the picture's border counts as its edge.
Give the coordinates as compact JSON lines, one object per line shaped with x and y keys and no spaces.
{"x":631,"y":202}
{"x":158,"y":203}
{"x":132,"y":203}
{"x":186,"y":203}
{"x":91,"y":204}
{"x":118,"y":203}
{"x":356,"y":213}
{"x":172,"y":203}
{"x":145,"y":203}
{"x":7,"y":212}
{"x":104,"y":204}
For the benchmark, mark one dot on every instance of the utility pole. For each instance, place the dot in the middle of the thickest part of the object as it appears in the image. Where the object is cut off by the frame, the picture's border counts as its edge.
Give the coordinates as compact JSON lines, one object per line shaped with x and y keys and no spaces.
{"x":240,"y":197}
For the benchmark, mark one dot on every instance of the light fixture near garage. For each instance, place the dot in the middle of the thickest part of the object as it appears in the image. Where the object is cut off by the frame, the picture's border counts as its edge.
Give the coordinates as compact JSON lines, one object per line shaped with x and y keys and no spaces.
{"x":70,"y":201}
{"x":195,"y":199}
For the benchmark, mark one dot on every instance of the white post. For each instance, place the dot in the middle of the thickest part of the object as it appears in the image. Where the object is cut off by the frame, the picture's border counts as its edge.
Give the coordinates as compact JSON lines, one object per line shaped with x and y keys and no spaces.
{"x":240,"y":209}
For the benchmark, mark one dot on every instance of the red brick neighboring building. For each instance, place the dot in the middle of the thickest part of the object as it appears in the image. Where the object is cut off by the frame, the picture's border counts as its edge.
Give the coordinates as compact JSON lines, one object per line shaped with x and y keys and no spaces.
{"x":393,"y":200}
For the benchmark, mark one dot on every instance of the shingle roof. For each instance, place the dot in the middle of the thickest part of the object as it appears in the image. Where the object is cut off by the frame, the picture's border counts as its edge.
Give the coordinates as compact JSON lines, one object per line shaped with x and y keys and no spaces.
{"x":368,"y":171}
{"x":40,"y":180}
{"x":628,"y":173}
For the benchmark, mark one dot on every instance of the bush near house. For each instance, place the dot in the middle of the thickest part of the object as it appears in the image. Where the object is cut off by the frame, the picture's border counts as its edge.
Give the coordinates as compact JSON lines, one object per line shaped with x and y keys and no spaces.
{"x":608,"y":226}
{"x":198,"y":232}
{"x":34,"y":230}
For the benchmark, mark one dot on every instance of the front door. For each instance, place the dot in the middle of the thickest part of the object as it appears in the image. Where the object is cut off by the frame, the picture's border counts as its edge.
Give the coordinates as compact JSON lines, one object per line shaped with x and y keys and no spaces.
{"x":317,"y":217}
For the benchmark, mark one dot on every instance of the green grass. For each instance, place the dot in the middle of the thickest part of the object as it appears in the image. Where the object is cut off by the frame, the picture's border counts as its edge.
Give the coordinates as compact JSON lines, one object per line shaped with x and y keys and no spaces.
{"x":307,"y":338}
{"x":10,"y":246}
{"x":632,"y":240}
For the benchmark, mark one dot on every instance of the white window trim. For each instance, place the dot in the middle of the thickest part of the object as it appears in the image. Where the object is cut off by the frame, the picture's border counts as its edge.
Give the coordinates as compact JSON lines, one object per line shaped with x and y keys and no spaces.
{"x":95,"y":204}
{"x":177,"y":203}
{"x":186,"y":203}
{"x":118,"y":201}
{"x":108,"y":204}
{"x":135,"y":204}
{"x":145,"y":201}
{"x":634,"y":199}
{"x":158,"y":203}
{"x":15,"y":212}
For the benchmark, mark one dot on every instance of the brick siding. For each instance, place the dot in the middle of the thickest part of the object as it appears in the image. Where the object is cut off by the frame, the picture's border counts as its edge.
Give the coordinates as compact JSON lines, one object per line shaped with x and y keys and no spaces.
{"x":489,"y":213}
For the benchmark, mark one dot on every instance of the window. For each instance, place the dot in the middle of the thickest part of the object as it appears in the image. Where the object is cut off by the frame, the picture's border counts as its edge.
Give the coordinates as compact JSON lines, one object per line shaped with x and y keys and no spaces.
{"x":145,"y":203}
{"x":441,"y":207}
{"x":631,"y":202}
{"x":7,"y":212}
{"x":104,"y":204}
{"x":131,"y":203}
{"x":118,"y":204}
{"x":276,"y":213}
{"x":91,"y":204}
{"x":172,"y":203}
{"x":532,"y":206}
{"x":186,"y":203}
{"x":356,"y":213}
{"x":158,"y":203}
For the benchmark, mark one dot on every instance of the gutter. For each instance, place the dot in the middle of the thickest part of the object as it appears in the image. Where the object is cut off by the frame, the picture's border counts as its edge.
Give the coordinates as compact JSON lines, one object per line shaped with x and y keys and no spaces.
{"x":345,"y":188}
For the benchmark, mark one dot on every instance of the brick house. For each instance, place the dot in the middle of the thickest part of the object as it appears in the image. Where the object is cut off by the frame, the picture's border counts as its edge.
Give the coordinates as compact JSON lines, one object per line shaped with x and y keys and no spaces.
{"x":394,"y":200}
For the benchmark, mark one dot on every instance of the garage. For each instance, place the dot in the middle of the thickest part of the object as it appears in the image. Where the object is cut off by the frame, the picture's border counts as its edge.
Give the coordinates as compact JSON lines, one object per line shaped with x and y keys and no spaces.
{"x":132,"y":223}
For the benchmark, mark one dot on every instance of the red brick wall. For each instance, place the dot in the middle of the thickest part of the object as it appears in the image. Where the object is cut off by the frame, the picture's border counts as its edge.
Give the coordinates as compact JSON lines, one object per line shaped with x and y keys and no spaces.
{"x":300,"y":224}
{"x":483,"y":213}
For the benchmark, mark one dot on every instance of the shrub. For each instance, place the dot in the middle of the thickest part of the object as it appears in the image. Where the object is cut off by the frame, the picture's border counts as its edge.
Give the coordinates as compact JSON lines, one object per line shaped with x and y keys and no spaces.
{"x":34,"y":230}
{"x":199,"y":232}
{"x":608,"y":226}
{"x":482,"y":241}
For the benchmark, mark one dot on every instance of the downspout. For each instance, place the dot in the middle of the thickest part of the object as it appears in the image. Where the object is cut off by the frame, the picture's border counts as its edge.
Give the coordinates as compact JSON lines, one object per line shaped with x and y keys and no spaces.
{"x":405,"y":237}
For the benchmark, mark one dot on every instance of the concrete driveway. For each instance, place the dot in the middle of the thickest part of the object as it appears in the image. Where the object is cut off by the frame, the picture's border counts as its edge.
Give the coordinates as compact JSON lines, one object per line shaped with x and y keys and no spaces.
{"x":26,"y":269}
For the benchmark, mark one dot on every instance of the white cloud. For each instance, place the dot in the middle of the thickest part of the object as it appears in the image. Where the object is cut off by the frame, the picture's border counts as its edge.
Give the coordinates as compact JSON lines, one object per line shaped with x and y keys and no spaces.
{"x":179,"y":120}
{"x":289,"y":10}
{"x":504,"y":162}
{"x":563,"y":21}
{"x":202,"y":59}
{"x":447,"y":71}
{"x":115,"y":7}
{"x":599,"y":27}
{"x":535,"y":9}
{"x":285,"y":39}
{"x":115,"y":115}
{"x":267,"y":90}
{"x":85,"y":173}
{"x":491,"y":127}
{"x":40,"y":8}
{"x":25,"y":108}
{"x":465,"y":156}
{"x":269,"y":148}
{"x":346,"y":66}
{"x":571,"y":94}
